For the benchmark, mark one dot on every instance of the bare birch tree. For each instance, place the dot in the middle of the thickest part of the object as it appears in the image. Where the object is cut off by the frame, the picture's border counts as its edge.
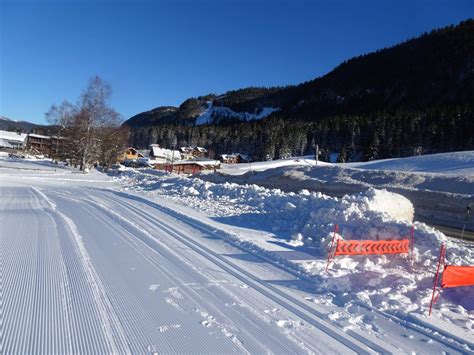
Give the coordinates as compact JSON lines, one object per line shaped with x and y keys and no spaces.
{"x":91,"y":127}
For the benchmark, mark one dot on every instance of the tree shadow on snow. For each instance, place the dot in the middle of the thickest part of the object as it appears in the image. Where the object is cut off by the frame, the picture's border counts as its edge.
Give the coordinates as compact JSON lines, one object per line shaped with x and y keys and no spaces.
{"x":303,"y":252}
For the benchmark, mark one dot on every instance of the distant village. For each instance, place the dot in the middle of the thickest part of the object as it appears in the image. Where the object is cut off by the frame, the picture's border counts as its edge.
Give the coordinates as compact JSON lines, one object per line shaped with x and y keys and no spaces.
{"x":185,"y":160}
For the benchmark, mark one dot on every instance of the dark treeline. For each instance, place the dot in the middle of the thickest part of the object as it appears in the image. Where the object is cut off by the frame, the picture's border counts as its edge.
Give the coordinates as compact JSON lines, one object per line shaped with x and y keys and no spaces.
{"x":367,"y":137}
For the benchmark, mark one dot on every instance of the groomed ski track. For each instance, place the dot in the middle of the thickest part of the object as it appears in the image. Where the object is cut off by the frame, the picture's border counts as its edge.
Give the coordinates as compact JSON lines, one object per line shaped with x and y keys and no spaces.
{"x":90,"y":270}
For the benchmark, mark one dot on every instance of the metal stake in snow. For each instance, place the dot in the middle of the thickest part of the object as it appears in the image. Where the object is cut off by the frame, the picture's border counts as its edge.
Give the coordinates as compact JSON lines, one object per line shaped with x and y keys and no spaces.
{"x":317,"y":153}
{"x":336,"y":230}
{"x":442,"y":254}
{"x":468,"y":211}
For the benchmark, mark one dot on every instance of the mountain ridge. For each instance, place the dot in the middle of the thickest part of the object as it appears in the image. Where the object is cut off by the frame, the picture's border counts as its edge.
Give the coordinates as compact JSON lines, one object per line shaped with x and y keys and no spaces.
{"x":332,"y":94}
{"x":10,"y":124}
{"x":411,"y":98}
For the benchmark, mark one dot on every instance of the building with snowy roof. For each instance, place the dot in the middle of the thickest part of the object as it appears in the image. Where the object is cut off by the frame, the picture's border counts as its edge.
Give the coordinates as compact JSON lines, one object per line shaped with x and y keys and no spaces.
{"x":162,"y":155}
{"x":12,"y":140}
{"x":200,"y":152}
{"x":235,"y":158}
{"x":39,"y":144}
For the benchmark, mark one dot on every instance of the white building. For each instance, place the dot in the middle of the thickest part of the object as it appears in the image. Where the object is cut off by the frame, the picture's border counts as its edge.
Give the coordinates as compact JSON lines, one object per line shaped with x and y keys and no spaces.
{"x":12,"y":140}
{"x":162,"y":155}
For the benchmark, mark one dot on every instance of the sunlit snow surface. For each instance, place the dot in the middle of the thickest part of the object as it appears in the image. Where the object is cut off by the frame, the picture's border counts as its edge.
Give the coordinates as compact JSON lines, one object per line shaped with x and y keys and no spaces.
{"x":146,"y":261}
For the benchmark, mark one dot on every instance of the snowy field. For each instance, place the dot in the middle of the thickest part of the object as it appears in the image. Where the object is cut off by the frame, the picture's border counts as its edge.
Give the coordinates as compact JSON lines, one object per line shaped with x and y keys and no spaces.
{"x":145,"y":261}
{"x":456,"y":163}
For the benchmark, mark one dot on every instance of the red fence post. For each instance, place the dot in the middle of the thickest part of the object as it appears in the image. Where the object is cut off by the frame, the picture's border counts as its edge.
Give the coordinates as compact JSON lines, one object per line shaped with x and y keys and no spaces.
{"x":435,"y":284}
{"x":336,"y":229}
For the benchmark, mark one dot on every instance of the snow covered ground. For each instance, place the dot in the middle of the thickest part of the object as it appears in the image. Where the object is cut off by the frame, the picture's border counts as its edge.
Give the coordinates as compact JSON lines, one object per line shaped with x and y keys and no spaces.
{"x":146,"y":261}
{"x":440,"y":186}
{"x":456,"y":163}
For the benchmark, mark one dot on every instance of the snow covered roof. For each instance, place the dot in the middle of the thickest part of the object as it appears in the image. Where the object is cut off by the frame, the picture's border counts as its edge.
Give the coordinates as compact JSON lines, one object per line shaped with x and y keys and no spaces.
{"x":243,"y":156}
{"x":235,"y":155}
{"x":201,"y":149}
{"x":144,"y":152}
{"x":186,"y":149}
{"x":13,"y":136}
{"x":168,"y":154}
{"x":200,"y":162}
{"x":130,"y":149}
{"x":34,"y":135}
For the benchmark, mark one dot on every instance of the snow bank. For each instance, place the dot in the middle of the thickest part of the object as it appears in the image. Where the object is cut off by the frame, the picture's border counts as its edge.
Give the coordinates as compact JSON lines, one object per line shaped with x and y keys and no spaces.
{"x":303,"y":223}
{"x":438,"y":199}
{"x":455,"y":163}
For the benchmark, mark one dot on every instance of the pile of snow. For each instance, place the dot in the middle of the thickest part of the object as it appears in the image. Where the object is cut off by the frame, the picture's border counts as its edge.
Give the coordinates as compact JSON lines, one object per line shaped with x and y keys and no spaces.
{"x":393,"y":205}
{"x":303,"y":224}
{"x":440,"y":199}
{"x":239,"y":169}
{"x":212,"y":112}
{"x":455,"y":163}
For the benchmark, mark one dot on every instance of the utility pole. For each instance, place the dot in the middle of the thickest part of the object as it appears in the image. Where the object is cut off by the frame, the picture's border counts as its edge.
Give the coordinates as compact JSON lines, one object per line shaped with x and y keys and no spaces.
{"x":317,"y":153}
{"x":172,"y":158}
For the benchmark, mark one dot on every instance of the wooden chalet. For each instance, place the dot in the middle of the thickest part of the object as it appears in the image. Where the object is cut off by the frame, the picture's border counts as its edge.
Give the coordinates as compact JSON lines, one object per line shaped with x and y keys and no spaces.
{"x":39,"y":144}
{"x":234,"y":158}
{"x":190,"y":166}
{"x":129,"y":154}
{"x":200,"y":152}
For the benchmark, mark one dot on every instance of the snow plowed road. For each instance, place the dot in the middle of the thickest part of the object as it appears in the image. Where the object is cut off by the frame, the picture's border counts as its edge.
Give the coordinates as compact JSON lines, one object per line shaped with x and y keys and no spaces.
{"x":90,"y":270}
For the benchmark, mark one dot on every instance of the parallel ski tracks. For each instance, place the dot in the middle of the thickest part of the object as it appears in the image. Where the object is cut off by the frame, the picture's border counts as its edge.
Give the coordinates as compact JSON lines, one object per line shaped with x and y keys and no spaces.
{"x":49,"y":304}
{"x":254,"y":336}
{"x":294,"y":304}
{"x":351,"y":340}
{"x":68,"y":271}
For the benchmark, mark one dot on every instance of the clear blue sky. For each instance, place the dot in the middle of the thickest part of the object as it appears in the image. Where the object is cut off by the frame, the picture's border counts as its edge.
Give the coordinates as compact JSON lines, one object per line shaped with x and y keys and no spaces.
{"x":157,"y":53}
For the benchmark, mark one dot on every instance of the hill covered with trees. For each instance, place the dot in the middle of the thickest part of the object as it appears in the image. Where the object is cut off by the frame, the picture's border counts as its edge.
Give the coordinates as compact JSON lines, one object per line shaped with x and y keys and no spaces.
{"x":412,"y":98}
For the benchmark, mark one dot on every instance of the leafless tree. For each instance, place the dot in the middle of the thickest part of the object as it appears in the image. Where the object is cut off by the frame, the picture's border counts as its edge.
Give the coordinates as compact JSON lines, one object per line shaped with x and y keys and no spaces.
{"x":90,"y":129}
{"x":61,"y":118}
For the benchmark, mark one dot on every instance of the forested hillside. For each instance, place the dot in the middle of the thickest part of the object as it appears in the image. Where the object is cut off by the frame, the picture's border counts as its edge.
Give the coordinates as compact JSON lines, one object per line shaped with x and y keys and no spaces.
{"x":416,"y":97}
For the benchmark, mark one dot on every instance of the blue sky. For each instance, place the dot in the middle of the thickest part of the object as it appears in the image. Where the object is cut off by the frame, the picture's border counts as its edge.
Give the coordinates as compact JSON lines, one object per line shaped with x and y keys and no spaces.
{"x":157,"y":53}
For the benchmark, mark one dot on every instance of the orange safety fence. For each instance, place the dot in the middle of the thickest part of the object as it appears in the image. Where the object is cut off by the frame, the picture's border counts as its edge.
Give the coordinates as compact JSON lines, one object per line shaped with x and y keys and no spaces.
{"x":453,"y":276}
{"x":362,"y":247}
{"x":367,"y":247}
